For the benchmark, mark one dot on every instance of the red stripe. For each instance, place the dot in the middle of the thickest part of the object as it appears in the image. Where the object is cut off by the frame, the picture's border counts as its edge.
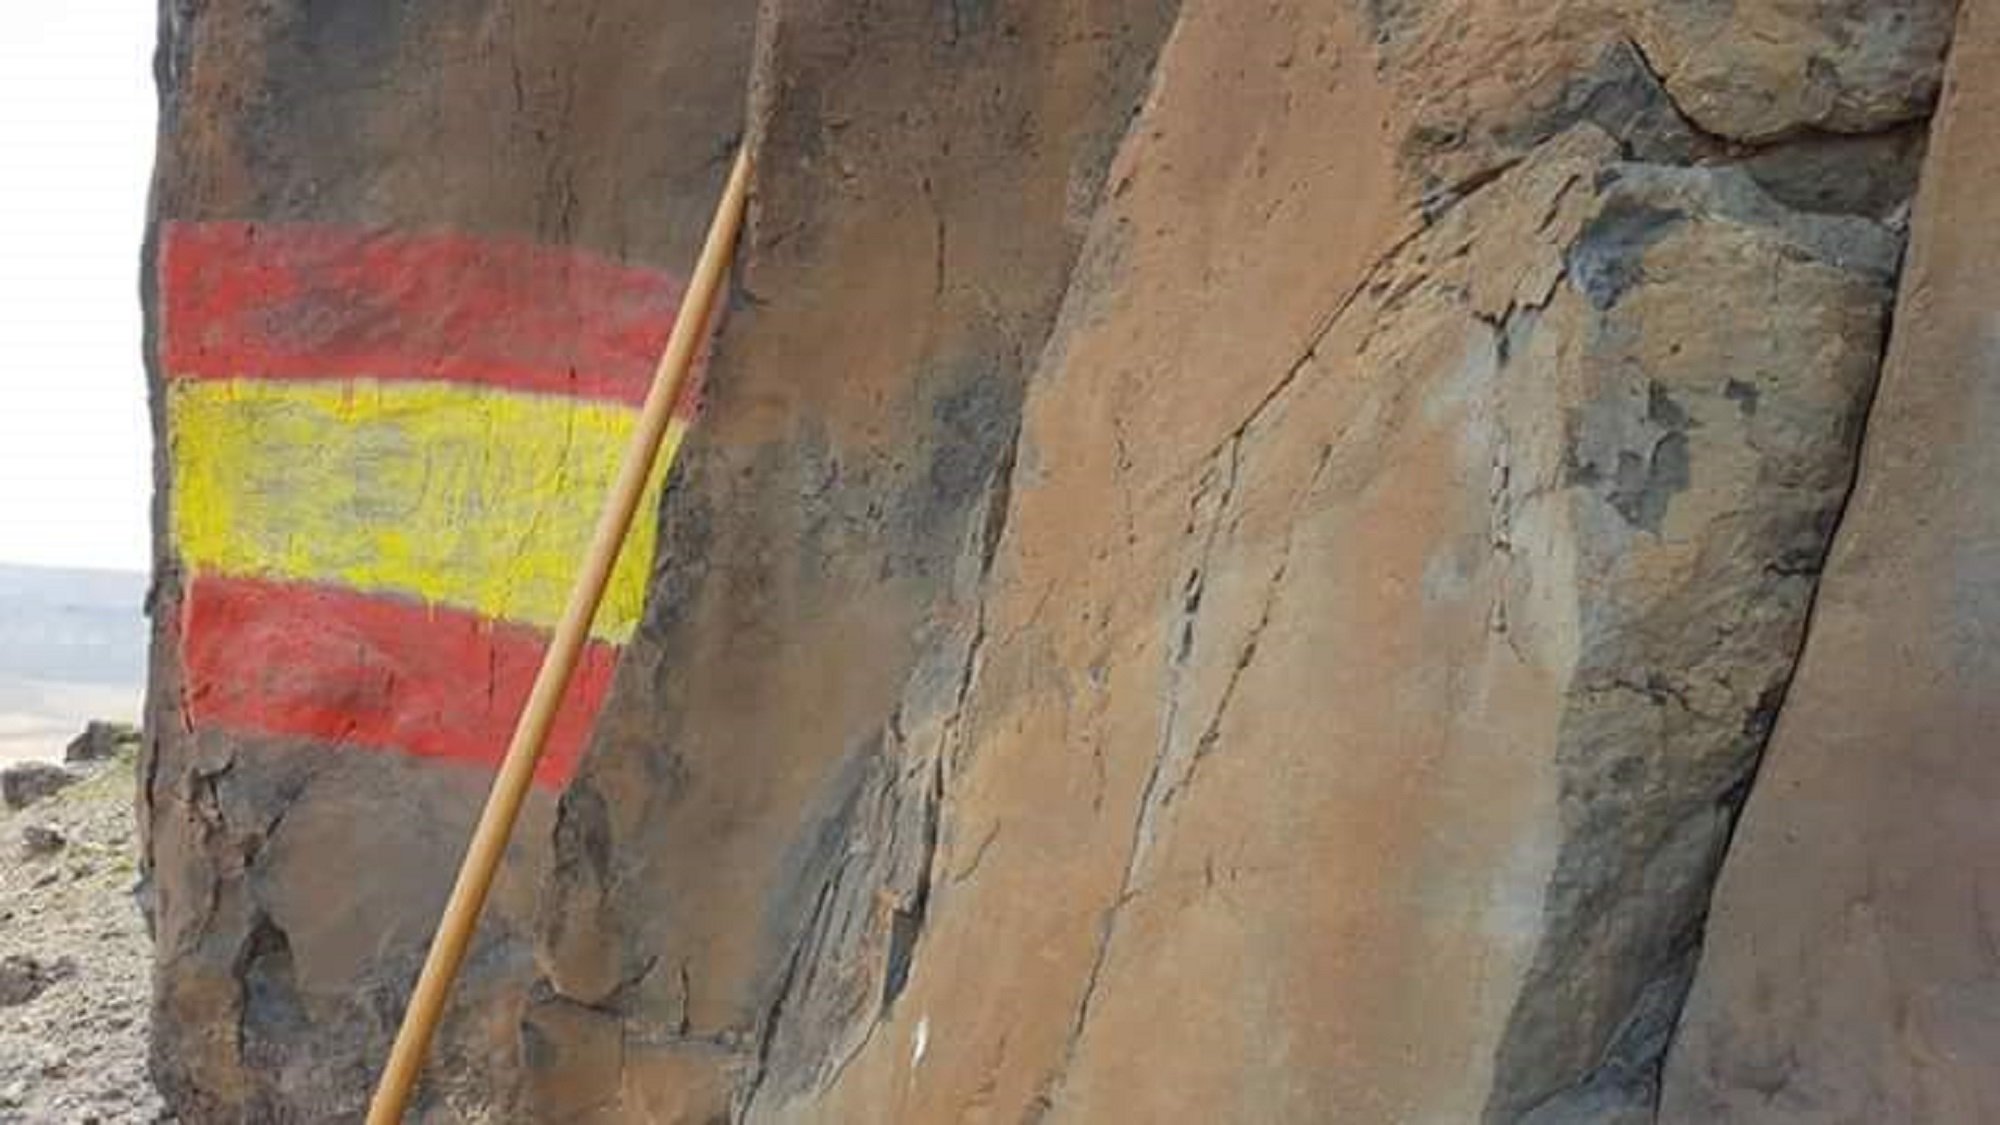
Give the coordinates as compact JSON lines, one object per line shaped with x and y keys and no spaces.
{"x":374,"y":672}
{"x":294,"y":301}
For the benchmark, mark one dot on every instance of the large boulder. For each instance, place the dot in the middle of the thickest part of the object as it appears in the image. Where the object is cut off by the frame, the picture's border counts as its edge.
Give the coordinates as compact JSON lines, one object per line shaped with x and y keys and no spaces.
{"x":100,"y":741}
{"x":25,"y":783}
{"x":1336,"y":697}
{"x":1238,"y":563}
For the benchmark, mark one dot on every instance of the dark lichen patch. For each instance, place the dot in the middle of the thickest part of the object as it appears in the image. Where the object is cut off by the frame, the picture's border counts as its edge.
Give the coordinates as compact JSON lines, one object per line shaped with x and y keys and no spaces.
{"x":1392,"y":20}
{"x":1662,"y":410}
{"x":1743,"y":394}
{"x":1579,"y":472}
{"x":1645,"y":486}
{"x":904,"y":926}
{"x":272,"y":1021}
{"x":1622,"y":96}
{"x":583,"y":834}
{"x":1627,"y":1077}
{"x":538,"y":1050}
{"x":974,"y":420}
{"x":1607,"y":259}
{"x":964,"y":18}
{"x":686,"y":534}
{"x":1841,"y":174}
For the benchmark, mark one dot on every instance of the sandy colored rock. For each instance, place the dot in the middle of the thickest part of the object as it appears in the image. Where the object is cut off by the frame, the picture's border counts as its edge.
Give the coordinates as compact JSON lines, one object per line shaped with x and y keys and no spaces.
{"x":1415,"y":594}
{"x":1848,"y":972}
{"x":1456,"y":618}
{"x":1238,"y":563}
{"x":1754,"y":70}
{"x":925,"y":175}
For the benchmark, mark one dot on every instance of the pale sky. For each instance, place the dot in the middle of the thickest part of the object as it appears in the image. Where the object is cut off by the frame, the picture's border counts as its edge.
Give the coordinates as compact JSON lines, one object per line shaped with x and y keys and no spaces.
{"x":76,"y":128}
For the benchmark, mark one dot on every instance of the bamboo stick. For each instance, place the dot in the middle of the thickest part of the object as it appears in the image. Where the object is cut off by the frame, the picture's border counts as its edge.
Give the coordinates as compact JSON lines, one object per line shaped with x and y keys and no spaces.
{"x":517,"y":770}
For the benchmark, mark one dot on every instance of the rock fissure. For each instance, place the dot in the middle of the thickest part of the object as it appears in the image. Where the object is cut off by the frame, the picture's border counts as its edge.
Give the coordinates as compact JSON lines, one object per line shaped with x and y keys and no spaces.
{"x":1386,"y":260}
{"x":1160,"y":790}
{"x":774,"y":1011}
{"x":1050,"y":1091}
{"x":1152,"y":795}
{"x":1211,"y":733}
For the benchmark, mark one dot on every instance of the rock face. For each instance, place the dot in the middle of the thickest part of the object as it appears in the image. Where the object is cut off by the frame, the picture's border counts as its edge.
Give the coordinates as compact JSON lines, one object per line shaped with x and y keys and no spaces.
{"x":407,"y":271}
{"x":1850,"y":970}
{"x":1237,"y":564}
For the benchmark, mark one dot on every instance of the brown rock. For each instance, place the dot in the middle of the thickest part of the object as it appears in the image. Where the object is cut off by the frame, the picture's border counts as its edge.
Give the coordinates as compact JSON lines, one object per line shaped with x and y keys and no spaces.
{"x":1237,"y":566}
{"x":296,"y":882}
{"x":42,"y":839}
{"x":101,"y":741}
{"x":925,"y":175}
{"x":1756,"y":69}
{"x":1374,"y":639}
{"x":1483,"y":82}
{"x":23,"y":784}
{"x":1462,"y":617}
{"x":23,"y":978}
{"x":1849,"y":970}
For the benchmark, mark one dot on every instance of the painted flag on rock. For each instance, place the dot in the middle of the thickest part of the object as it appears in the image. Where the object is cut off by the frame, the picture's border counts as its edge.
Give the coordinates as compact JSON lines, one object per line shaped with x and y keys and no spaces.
{"x":388,"y":452}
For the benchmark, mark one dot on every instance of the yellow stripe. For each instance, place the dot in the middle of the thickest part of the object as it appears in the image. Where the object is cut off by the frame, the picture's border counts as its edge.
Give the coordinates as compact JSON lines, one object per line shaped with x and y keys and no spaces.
{"x":453,"y":493}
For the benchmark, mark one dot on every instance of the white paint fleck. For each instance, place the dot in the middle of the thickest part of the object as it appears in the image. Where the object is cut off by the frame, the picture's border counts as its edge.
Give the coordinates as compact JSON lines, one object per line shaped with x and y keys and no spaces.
{"x":920,"y":1041}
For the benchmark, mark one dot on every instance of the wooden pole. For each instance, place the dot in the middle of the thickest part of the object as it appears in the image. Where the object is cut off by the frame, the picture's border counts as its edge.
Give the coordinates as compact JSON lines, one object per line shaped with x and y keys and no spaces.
{"x":517,"y":769}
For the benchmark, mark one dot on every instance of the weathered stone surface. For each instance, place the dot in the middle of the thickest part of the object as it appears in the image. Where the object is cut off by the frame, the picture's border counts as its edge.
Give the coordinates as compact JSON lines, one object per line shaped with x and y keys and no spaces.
{"x":296,"y":871}
{"x":1850,"y":970}
{"x":1484,"y":81}
{"x":1238,"y":567}
{"x":1397,"y":697}
{"x":925,"y":174}
{"x":1480,"y":84}
{"x":100,"y":741}
{"x":1431,"y":614}
{"x":1874,"y":175}
{"x":25,"y":783}
{"x":1757,"y":69}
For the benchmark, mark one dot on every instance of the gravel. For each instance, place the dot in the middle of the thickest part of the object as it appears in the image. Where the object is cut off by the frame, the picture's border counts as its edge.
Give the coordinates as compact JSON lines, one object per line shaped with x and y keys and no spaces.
{"x":75,"y":956}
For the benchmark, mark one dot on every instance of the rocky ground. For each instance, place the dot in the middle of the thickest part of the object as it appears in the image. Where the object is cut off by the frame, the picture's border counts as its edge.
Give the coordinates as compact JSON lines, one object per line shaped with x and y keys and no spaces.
{"x":74,"y":954}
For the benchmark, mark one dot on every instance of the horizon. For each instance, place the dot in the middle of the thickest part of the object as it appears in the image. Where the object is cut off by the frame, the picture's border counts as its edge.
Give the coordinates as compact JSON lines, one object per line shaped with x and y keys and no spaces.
{"x":143,"y":570}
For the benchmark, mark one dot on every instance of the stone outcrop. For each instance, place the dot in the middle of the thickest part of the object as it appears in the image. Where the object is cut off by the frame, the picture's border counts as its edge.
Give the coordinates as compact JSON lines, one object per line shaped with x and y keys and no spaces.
{"x":1850,"y":968}
{"x":824,"y":541}
{"x":1238,"y":563}
{"x":405,"y":207}
{"x":23,"y":784}
{"x":102,"y":741}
